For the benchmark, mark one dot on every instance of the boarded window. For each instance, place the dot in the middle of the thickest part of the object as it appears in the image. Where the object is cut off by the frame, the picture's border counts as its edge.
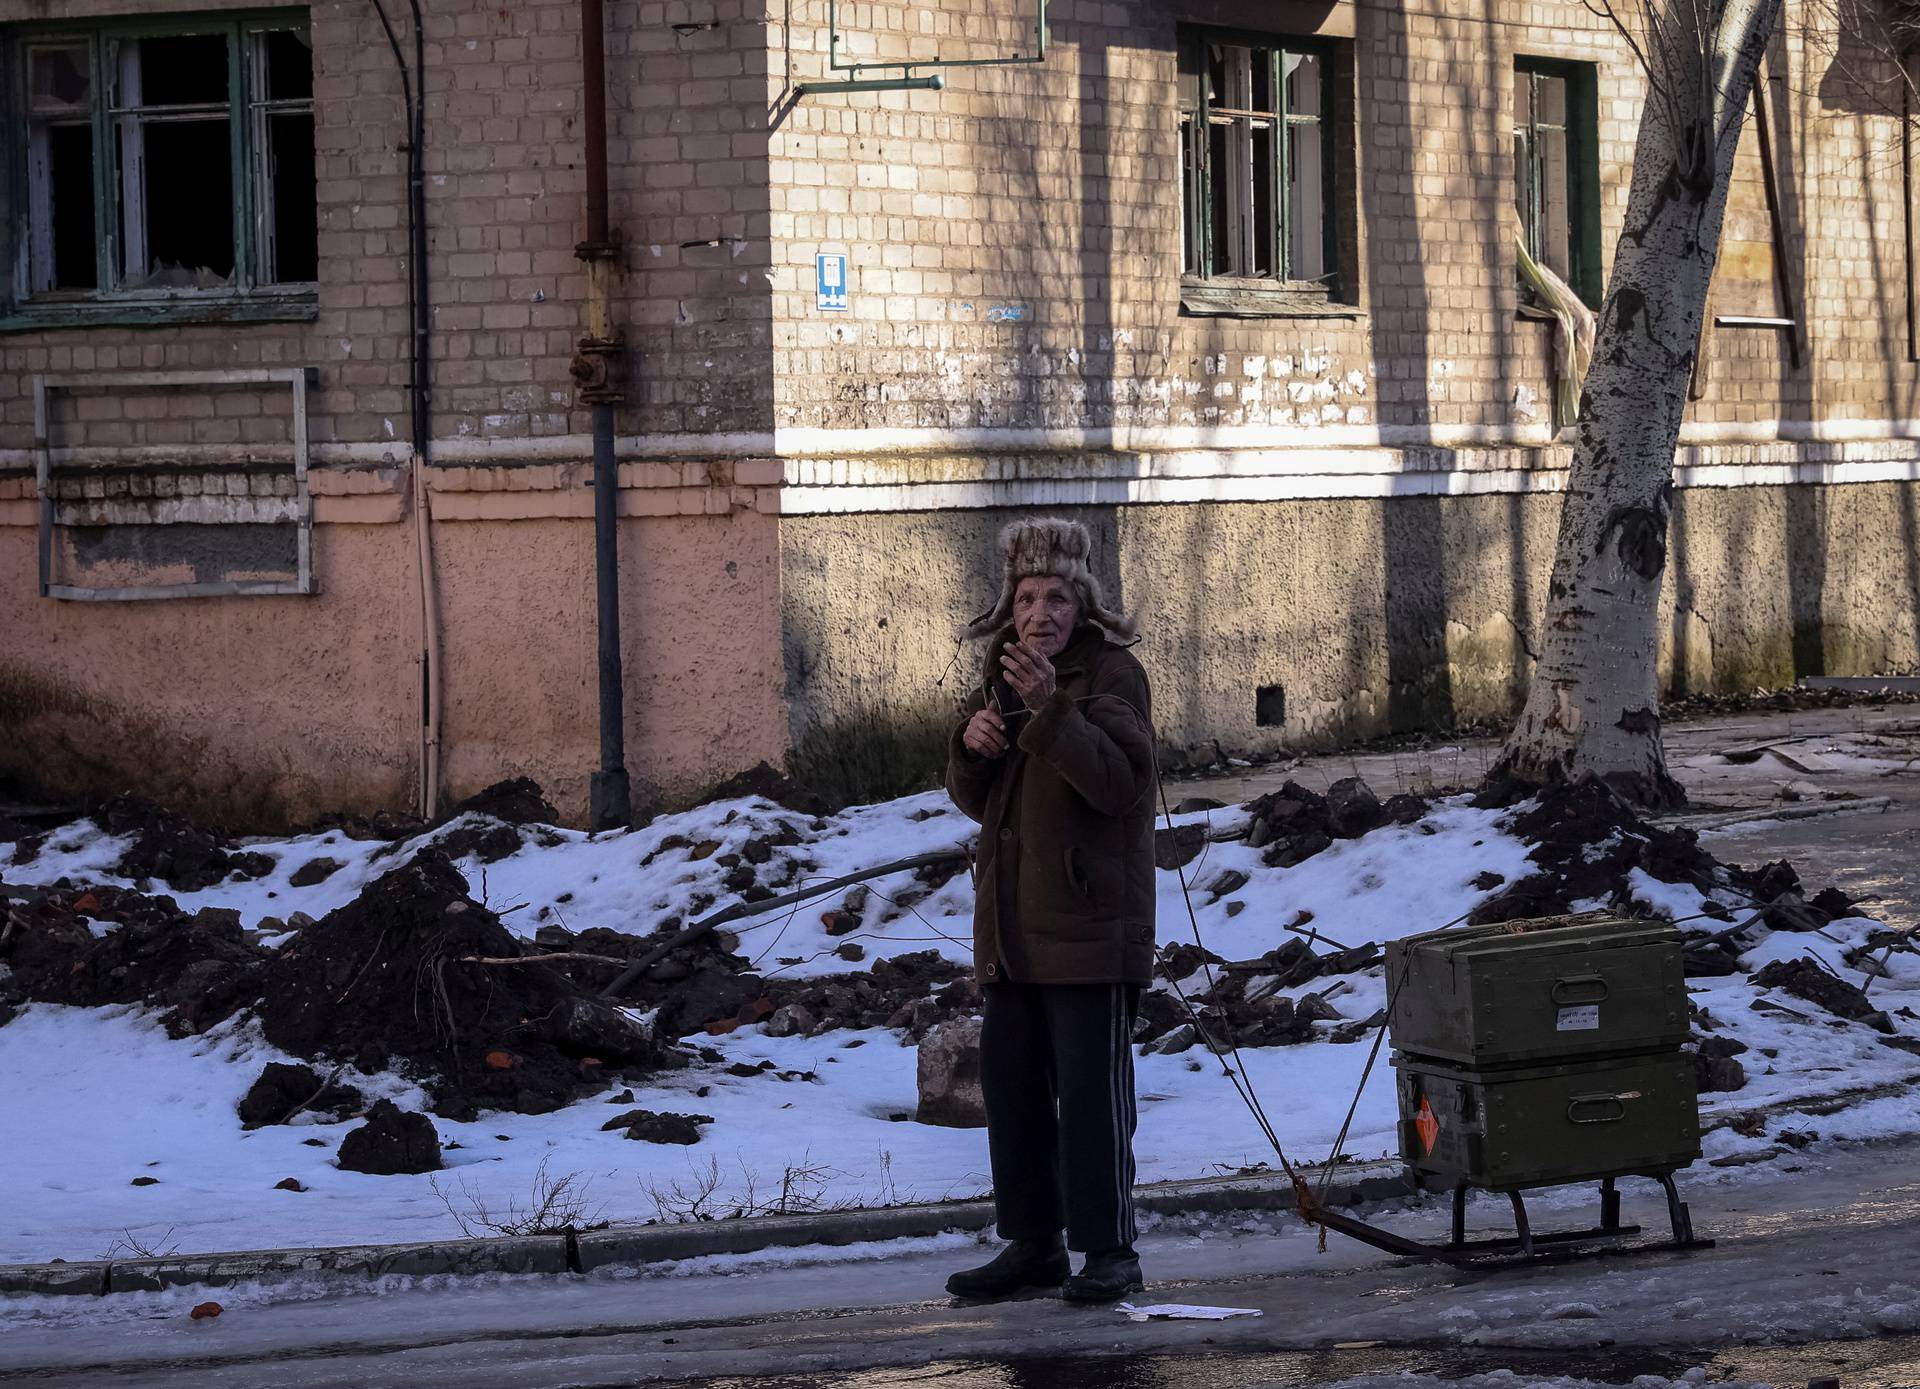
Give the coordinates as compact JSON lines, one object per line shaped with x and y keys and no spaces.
{"x":1256,"y":173}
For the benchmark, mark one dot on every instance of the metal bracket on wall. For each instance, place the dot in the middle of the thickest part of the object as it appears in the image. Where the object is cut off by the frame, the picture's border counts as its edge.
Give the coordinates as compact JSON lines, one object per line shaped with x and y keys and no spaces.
{"x":298,"y":379}
{"x":908,"y":80}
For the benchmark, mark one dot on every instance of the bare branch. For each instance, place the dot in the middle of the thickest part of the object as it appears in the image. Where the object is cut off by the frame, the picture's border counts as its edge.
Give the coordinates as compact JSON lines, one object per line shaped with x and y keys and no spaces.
{"x":541,"y":959}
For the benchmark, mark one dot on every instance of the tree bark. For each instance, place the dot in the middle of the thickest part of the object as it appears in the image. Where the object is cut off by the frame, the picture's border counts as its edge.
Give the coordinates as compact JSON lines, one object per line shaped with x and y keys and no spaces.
{"x":1593,"y":706}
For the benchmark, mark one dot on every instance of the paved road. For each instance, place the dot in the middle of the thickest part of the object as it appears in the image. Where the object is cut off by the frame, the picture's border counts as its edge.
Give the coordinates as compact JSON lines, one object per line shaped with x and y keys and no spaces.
{"x":1804,"y":1256}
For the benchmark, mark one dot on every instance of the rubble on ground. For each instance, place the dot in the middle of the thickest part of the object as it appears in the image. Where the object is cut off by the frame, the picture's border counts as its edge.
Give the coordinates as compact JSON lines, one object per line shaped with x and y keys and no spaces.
{"x":648,"y":1126}
{"x":947,"y":1076}
{"x":395,"y":980}
{"x":284,"y":1090}
{"x":166,"y":848}
{"x":1805,"y":979}
{"x":392,"y":1141}
{"x":91,"y":946}
{"x":1798,"y":699}
{"x":1587,"y":841}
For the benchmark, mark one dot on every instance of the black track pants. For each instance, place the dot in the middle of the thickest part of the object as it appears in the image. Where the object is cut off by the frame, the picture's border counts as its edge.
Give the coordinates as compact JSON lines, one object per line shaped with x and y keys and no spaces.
{"x":1056,"y":1069}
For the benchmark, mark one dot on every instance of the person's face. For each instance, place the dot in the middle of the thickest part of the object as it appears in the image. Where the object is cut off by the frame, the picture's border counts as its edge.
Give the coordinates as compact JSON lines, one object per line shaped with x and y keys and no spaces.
{"x":1044,"y":611}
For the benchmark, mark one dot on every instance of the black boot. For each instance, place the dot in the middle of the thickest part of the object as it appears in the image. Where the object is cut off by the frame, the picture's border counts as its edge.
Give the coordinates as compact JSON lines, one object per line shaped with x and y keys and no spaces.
{"x":1025,"y":1263}
{"x":1107,"y":1275}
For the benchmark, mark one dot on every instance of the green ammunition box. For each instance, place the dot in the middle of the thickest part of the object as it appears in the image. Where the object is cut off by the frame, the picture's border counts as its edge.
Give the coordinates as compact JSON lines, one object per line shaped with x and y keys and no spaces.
{"x":1532,"y":992}
{"x":1544,"y":1125}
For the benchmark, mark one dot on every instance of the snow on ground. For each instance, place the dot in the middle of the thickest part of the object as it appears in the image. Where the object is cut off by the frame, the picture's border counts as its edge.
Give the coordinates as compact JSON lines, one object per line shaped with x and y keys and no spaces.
{"x":1393,"y":882}
{"x":95,"y":1098}
{"x":1517,"y":1379}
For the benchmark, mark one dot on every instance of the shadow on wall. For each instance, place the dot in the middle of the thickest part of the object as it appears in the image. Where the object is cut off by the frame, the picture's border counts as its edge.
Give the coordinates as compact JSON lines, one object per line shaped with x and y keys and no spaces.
{"x":873,"y":607}
{"x":1414,"y":544}
{"x":53,"y":754}
{"x":699,"y":317}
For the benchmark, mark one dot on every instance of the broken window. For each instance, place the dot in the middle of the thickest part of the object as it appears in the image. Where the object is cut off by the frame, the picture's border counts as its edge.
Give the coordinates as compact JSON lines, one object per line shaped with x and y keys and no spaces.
{"x":1555,"y":186}
{"x":170,"y":163}
{"x":1256,"y":173}
{"x":59,"y":90}
{"x":282,"y":117}
{"x":171,"y":126}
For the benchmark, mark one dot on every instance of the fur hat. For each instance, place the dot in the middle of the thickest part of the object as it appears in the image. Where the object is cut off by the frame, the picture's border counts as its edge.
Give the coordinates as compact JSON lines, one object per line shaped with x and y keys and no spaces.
{"x":1053,"y":546}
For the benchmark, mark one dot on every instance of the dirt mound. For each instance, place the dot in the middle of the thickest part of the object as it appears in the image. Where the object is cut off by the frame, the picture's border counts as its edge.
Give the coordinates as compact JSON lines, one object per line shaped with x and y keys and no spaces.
{"x":1586,"y":841}
{"x":518,"y":801}
{"x":385,"y":825}
{"x":184,"y":856}
{"x":392,"y":1141}
{"x":486,"y":840}
{"x":1293,"y":824}
{"x":283,"y":1091}
{"x":393,"y":976}
{"x":764,"y":781}
{"x":103,"y":945}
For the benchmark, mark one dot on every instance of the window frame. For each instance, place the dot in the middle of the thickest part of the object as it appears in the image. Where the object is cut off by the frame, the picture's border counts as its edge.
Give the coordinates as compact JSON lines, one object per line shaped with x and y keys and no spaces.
{"x":249,"y":298}
{"x":1584,"y":271}
{"x":1206,"y":293}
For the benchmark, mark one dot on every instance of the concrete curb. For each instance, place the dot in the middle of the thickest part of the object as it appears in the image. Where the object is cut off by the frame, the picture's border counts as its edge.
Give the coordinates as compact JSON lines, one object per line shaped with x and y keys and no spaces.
{"x":1353,"y":1184}
{"x":647,"y":1244}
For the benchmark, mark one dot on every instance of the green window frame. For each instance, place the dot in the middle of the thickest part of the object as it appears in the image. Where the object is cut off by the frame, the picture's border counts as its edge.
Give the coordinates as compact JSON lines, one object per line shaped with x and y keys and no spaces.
{"x":1556,"y":169}
{"x":1257,"y":159}
{"x":123,"y":134}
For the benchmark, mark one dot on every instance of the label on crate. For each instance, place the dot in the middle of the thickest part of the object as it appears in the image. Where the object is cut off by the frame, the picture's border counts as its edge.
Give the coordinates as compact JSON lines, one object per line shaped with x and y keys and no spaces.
{"x":1427,"y":1124}
{"x":1585,"y":1018}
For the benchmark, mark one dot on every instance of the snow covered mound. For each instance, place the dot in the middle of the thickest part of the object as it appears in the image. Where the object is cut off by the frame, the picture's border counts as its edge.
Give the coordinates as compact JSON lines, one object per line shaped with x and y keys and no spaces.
{"x":141,"y":957}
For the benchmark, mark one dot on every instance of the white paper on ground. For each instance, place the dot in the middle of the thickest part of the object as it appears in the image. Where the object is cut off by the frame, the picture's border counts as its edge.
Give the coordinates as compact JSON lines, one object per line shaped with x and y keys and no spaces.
{"x":1175,"y":1311}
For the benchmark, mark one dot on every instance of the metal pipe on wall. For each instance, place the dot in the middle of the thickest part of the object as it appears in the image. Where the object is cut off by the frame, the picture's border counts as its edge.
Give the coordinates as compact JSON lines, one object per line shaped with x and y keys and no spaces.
{"x":596,"y":373}
{"x":419,"y":315}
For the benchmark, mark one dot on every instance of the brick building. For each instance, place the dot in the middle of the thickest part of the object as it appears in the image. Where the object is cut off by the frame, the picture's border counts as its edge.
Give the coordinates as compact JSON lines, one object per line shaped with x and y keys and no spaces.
{"x":1232,"y":280}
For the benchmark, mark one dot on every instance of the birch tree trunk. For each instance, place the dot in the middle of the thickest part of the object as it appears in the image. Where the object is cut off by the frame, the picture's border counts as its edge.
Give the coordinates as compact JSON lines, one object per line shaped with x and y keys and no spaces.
{"x":1593,"y":706}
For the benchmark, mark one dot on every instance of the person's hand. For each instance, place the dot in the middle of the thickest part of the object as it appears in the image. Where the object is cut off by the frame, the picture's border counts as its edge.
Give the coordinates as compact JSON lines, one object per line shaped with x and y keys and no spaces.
{"x":1029,"y":672}
{"x":985,"y":734}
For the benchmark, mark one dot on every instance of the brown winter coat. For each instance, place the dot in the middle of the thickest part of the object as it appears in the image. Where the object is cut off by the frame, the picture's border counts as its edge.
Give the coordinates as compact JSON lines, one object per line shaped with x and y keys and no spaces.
{"x":1063,"y":883}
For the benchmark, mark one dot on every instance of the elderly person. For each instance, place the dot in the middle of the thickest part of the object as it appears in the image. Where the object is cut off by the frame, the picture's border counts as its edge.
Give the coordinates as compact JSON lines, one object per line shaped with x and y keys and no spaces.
{"x":1054,"y":757}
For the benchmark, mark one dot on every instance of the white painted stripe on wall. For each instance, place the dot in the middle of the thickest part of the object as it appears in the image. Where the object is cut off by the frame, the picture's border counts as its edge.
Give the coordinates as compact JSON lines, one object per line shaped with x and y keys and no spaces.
{"x":799,"y":498}
{"x":1352,"y":444}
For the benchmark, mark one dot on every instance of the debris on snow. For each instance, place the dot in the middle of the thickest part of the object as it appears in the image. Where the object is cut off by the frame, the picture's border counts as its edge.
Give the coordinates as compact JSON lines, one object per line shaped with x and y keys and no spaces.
{"x":1292,"y":915}
{"x":284,"y":1091}
{"x":948,"y":1077}
{"x":396,"y":975}
{"x":391,"y":1142}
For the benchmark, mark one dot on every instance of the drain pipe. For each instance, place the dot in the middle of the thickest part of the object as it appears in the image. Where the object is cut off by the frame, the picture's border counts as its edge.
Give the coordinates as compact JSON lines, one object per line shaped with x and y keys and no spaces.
{"x":420,"y":322}
{"x":596,"y":371}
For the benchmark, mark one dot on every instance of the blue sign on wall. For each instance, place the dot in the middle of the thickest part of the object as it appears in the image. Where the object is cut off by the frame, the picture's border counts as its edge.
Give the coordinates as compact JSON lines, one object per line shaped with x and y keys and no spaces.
{"x":830,"y":281}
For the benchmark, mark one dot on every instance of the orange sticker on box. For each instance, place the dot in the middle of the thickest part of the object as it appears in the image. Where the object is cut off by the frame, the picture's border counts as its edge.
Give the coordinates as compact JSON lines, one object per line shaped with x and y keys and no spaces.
{"x":1427,"y":1124}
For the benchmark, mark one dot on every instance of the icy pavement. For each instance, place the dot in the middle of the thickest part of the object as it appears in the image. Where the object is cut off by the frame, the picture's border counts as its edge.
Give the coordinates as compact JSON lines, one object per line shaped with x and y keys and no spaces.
{"x":1819,"y":1254}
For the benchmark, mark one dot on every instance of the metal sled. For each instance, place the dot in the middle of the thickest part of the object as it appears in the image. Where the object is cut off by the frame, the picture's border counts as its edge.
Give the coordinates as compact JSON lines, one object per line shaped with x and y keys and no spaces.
{"x":1526,"y":1246}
